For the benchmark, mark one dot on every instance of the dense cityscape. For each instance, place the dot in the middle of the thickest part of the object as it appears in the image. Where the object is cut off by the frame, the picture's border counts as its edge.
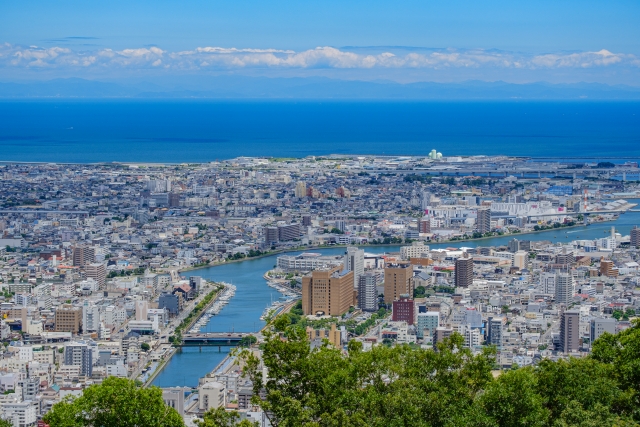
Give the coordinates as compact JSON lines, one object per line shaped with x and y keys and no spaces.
{"x":101,"y":266}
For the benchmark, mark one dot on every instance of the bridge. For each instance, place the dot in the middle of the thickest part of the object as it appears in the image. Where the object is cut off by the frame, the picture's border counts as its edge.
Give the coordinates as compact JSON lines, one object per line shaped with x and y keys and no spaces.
{"x":219,"y":339}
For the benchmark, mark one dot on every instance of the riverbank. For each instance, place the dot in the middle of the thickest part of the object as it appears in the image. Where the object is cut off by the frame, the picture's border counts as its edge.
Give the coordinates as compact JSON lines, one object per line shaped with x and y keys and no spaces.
{"x":364,"y":246}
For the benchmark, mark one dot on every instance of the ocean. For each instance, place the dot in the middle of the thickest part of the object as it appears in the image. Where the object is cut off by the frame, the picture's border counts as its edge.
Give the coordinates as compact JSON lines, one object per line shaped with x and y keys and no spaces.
{"x":177,"y":131}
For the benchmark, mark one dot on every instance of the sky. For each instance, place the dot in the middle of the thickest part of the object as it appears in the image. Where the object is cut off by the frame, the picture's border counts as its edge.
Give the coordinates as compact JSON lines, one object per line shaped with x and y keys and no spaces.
{"x":560,"y":41}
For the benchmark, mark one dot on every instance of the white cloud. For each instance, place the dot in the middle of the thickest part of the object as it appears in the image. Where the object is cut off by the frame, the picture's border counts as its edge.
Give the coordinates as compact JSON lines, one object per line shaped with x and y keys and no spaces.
{"x":209,"y":57}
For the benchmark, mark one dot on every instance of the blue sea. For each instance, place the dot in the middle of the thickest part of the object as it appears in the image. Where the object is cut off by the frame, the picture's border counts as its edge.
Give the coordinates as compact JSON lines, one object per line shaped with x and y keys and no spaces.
{"x":176,"y":131}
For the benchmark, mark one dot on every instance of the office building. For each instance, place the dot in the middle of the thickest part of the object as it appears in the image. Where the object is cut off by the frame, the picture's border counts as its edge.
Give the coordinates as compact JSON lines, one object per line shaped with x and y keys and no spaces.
{"x":427,"y":323}
{"x":521,"y":260}
{"x":367,"y":292}
{"x":171,"y":302}
{"x":483,"y":221}
{"x":98,"y":272}
{"x":464,"y":271}
{"x":333,"y":335}
{"x":635,"y":237}
{"x":328,"y":291}
{"x":68,"y":318}
{"x":404,"y":310}
{"x":306,"y":220}
{"x":173,"y":397}
{"x":174,"y":200}
{"x":83,"y":255}
{"x":354,"y":261}
{"x":398,"y":280}
{"x":565,"y":288}
{"x":600,"y":326}
{"x":441,"y":333}
{"x":570,"y":331}
{"x":79,"y":354}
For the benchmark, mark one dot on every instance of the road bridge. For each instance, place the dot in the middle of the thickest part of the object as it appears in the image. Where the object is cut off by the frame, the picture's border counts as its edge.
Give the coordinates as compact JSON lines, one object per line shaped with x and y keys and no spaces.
{"x":219,"y":339}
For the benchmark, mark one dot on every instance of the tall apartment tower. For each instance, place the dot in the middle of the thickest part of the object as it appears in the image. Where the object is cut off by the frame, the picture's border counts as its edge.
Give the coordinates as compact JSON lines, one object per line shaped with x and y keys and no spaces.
{"x":548,"y":283}
{"x":306,"y":220}
{"x":565,"y":288}
{"x":98,"y":272}
{"x":495,"y":329}
{"x":635,"y":237}
{"x":464,"y":271}
{"x":79,"y":354}
{"x":329,"y":291}
{"x":424,"y":224}
{"x":301,"y":189}
{"x":367,"y":293}
{"x":483,"y":222}
{"x":354,"y":261}
{"x":398,"y":280}
{"x":83,"y":255}
{"x":570,"y":331}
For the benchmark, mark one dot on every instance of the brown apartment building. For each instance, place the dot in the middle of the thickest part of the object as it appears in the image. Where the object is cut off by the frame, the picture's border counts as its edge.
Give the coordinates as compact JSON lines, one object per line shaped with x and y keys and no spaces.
{"x":398,"y":280}
{"x":68,"y":318}
{"x":328,"y":291}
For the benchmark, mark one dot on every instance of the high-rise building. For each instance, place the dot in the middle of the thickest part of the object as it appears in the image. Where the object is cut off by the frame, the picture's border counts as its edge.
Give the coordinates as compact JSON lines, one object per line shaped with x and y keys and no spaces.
{"x":570,"y":331}
{"x":90,"y":317}
{"x":398,"y":280}
{"x":404,"y":310}
{"x":329,"y":291}
{"x":306,"y":220}
{"x":270,"y":235}
{"x":301,"y":189}
{"x":427,"y":323}
{"x":464,"y":271}
{"x":83,"y":255}
{"x":483,"y":222}
{"x":606,"y":268}
{"x":635,"y":237}
{"x":565,"y":288}
{"x":354,"y":261}
{"x":495,"y":331}
{"x":79,"y":354}
{"x":521,"y":260}
{"x":424,"y":224}
{"x":600,"y":326}
{"x":98,"y":272}
{"x":67,"y":318}
{"x":367,"y":292}
{"x":548,"y":283}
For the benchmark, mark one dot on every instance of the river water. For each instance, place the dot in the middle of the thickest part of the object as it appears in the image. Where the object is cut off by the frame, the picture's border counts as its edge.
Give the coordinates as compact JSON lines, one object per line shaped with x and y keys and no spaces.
{"x":243,"y":313}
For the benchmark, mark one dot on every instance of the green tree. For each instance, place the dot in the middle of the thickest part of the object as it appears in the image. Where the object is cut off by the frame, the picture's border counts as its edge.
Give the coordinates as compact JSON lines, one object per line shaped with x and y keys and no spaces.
{"x":5,"y":423}
{"x":145,"y":346}
{"x":220,"y":418}
{"x":117,"y":402}
{"x":512,"y":401}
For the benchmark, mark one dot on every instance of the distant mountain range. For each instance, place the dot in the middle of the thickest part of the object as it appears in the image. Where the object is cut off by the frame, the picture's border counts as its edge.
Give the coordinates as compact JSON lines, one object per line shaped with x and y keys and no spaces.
{"x":240,"y":87}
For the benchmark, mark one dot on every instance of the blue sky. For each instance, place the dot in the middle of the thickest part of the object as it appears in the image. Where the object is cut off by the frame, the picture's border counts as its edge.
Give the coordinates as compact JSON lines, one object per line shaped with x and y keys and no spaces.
{"x":558,"y":41}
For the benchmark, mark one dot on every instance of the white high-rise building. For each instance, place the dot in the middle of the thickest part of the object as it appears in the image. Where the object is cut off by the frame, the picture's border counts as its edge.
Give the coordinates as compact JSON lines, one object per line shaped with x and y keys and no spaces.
{"x":548,"y":283}
{"x":354,"y":261}
{"x":565,"y":288}
{"x":90,"y":317}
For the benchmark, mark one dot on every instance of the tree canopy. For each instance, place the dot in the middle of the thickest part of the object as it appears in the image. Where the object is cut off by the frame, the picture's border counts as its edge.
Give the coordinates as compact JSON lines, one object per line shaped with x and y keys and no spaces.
{"x":117,"y":402}
{"x":405,"y":386}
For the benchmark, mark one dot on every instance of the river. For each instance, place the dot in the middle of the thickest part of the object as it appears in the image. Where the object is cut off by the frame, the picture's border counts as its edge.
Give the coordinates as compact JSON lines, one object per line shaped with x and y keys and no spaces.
{"x":243,"y":313}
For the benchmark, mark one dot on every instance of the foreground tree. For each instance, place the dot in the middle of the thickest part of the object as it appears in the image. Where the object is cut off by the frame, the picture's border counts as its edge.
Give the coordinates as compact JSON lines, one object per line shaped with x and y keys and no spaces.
{"x":117,"y":402}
